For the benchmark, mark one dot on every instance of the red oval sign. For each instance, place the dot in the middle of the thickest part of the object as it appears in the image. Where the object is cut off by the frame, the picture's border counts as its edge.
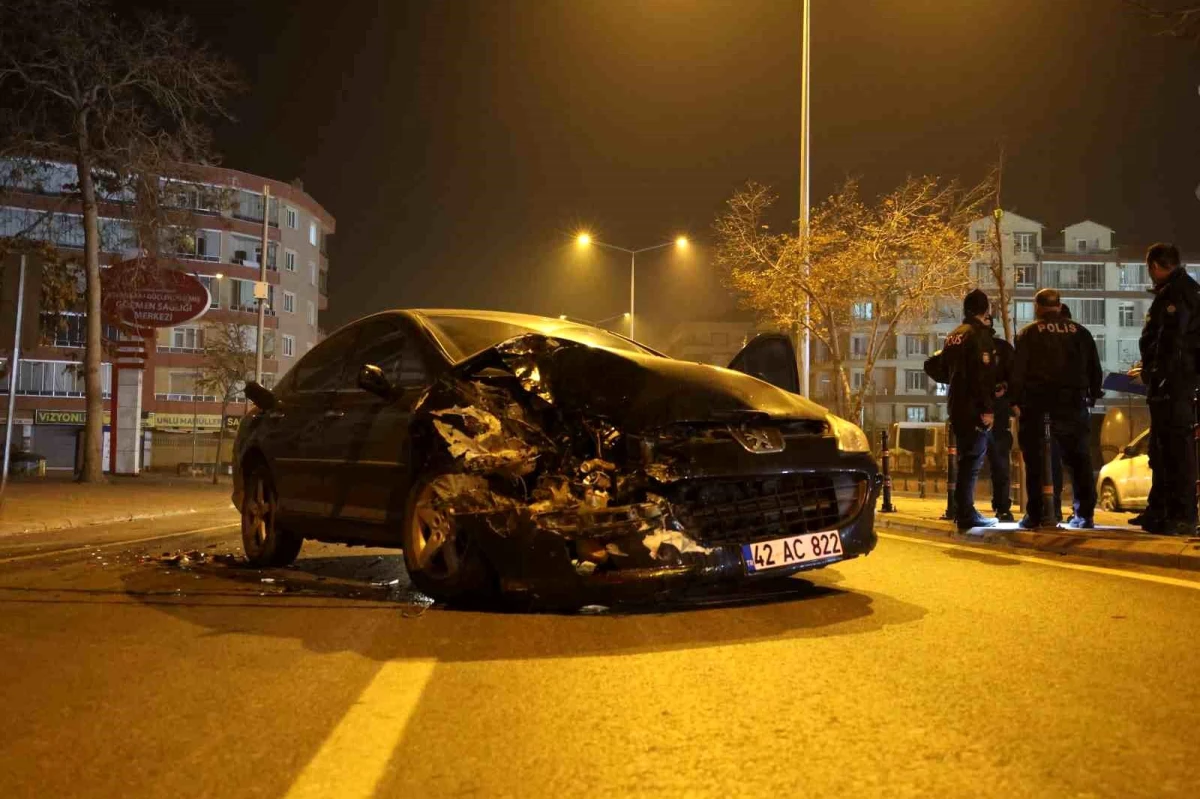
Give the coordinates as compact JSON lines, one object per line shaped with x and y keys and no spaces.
{"x":139,"y":296}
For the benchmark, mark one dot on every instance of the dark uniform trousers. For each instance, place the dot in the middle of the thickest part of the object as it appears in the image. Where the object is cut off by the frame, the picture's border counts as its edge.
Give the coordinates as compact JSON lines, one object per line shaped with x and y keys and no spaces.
{"x":1069,"y":427}
{"x":1173,"y":457}
{"x":972,"y":445}
{"x":999,"y":450}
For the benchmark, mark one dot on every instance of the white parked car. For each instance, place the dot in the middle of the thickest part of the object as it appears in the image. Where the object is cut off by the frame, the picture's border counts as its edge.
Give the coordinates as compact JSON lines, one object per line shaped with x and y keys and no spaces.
{"x":1124,"y":482}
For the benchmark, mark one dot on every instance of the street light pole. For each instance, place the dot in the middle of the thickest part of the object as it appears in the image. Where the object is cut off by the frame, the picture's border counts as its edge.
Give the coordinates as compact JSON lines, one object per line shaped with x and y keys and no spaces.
{"x":14,"y":365}
{"x":262,"y":279}
{"x":806,"y":349}
{"x":584,"y":240}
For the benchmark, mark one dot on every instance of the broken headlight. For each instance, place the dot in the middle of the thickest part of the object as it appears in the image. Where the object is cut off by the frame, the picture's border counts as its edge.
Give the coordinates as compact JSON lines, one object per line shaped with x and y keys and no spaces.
{"x":850,"y":438}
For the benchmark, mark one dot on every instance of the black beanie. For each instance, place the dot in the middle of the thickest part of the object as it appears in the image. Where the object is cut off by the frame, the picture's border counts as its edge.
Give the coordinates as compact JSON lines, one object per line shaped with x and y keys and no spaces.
{"x":976,"y":303}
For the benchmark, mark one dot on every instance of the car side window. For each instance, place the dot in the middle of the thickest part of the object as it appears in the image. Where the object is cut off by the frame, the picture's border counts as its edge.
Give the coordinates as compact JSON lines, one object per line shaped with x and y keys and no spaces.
{"x":390,"y":347}
{"x":324,"y":368}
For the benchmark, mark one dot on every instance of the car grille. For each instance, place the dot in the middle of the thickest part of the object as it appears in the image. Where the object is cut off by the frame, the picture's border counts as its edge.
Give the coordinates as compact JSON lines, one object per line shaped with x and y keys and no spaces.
{"x":720,"y":512}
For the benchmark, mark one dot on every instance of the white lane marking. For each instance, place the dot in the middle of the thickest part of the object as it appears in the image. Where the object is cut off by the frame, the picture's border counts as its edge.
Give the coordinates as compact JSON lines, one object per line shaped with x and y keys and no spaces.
{"x":353,"y":758}
{"x":108,"y":544}
{"x":1149,"y":578}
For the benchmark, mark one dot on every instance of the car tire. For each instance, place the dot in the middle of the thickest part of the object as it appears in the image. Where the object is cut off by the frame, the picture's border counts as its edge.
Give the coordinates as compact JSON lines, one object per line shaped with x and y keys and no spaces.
{"x":1110,"y":500}
{"x":454,"y":569}
{"x":264,"y":541}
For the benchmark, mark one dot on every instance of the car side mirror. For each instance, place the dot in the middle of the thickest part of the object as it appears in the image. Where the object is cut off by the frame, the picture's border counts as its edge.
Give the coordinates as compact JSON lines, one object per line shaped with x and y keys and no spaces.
{"x":371,"y":378}
{"x":261,"y":396}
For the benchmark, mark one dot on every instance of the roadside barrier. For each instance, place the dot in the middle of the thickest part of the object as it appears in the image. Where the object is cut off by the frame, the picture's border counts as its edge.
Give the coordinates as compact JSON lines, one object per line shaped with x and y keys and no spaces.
{"x":886,"y":457}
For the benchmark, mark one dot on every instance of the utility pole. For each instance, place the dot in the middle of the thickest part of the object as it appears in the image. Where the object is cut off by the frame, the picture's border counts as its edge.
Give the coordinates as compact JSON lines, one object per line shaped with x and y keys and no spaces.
{"x":14,"y":365}
{"x":260,"y":290}
{"x":806,"y":347}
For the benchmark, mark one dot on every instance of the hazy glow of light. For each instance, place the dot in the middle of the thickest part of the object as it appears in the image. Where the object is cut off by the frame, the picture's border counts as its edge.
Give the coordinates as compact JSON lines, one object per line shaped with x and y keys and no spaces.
{"x":219,"y":275}
{"x":583,"y":239}
{"x":681,"y":242}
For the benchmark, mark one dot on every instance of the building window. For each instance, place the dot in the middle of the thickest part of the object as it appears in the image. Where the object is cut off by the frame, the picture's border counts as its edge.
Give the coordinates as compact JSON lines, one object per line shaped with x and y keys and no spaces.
{"x":289,"y":260}
{"x":214,"y":290}
{"x":825,"y":387}
{"x":289,"y":346}
{"x":916,"y":413}
{"x":1081,"y":245}
{"x":53,"y":378}
{"x":312,"y":272}
{"x":980,"y":235}
{"x":1023,"y":310}
{"x":857,"y":380}
{"x":1127,"y":352}
{"x":1025,"y":242}
{"x":1089,"y":312}
{"x":860,"y":310}
{"x":984,"y":275}
{"x":1101,"y":346}
{"x":1126,"y":314}
{"x":187,"y":338}
{"x":1026,"y":276}
{"x":312,"y":313}
{"x":312,"y":233}
{"x":293,"y":218}
{"x":916,"y":380}
{"x":289,"y":302}
{"x":1075,"y":276}
{"x":1134,"y":277}
{"x":858,"y":345}
{"x":916,"y":345}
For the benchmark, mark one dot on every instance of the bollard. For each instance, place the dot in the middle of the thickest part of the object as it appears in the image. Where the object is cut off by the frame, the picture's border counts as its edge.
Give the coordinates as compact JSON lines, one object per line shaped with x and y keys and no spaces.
{"x":1049,"y":508}
{"x":886,"y":457}
{"x":951,"y":471}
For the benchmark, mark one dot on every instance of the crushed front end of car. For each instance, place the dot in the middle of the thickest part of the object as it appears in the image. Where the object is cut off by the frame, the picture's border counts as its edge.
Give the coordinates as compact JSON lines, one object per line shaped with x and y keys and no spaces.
{"x":580,"y":472}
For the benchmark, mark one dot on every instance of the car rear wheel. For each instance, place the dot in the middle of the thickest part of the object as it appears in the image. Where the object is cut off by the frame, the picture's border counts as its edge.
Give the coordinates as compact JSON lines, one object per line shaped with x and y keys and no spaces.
{"x":441,"y":561}
{"x":1109,"y":499}
{"x":263,"y":540}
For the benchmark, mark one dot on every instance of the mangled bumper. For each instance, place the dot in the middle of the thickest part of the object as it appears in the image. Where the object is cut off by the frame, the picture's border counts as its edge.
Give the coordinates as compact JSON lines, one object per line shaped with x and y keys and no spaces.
{"x":647,"y":549}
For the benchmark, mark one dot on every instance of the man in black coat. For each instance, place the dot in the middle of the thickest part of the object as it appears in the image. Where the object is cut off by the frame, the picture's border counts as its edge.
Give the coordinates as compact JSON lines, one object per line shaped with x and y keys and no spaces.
{"x":968,"y":363}
{"x":1168,"y":345}
{"x":1000,"y":439}
{"x":1056,"y":372}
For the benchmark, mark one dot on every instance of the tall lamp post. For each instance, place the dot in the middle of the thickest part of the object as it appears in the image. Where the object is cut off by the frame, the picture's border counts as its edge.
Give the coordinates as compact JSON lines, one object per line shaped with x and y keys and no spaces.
{"x":586,"y":240}
{"x":806,"y":348}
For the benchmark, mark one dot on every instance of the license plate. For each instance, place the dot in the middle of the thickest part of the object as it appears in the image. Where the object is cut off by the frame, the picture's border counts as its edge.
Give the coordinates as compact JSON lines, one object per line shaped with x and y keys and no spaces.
{"x":782,"y":552}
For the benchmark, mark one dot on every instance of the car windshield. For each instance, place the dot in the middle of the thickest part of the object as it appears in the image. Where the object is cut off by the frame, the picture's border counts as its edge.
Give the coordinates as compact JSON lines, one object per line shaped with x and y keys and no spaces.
{"x":463,"y":336}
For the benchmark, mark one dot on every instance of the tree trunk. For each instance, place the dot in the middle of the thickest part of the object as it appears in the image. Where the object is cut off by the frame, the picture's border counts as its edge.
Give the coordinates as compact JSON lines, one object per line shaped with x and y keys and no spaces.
{"x":220,"y":436}
{"x":92,"y":469}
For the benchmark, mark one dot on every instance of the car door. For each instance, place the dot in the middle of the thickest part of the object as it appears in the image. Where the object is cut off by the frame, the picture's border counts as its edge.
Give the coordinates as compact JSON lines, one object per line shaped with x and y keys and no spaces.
{"x":771,"y":358}
{"x":372,"y":474}
{"x":1139,"y":470}
{"x":294,"y":432}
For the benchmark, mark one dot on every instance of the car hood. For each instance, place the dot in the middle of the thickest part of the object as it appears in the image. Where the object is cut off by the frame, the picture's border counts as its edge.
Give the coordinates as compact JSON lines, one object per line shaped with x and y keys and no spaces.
{"x":635,"y":391}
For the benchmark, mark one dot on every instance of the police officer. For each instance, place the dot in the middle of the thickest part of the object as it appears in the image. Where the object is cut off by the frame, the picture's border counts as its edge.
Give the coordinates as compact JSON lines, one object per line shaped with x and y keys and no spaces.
{"x":1056,"y":371}
{"x":1168,"y":346}
{"x":999,"y":444}
{"x":968,"y":363}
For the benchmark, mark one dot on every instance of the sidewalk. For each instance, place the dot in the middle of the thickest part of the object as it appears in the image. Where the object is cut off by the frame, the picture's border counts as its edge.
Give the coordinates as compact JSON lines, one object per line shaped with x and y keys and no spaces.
{"x":1112,"y":540}
{"x":57,"y":502}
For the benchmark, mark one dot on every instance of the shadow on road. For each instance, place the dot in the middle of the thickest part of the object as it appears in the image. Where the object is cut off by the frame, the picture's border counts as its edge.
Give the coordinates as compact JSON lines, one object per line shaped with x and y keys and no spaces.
{"x":364,"y":603}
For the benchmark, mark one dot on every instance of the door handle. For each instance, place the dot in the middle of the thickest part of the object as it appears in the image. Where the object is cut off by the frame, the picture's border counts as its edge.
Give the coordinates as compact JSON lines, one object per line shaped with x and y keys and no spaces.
{"x":334,"y":414}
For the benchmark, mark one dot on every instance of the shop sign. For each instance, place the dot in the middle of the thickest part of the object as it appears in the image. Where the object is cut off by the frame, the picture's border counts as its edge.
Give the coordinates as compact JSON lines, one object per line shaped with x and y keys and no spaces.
{"x":139,"y":296}
{"x":185,"y":421}
{"x":77,"y":418}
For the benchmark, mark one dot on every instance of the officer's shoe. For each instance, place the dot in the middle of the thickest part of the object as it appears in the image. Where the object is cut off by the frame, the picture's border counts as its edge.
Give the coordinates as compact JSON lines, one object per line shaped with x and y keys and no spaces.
{"x":978,"y":521}
{"x":1027,"y":523}
{"x":1180,"y":527}
{"x":1005,"y":516}
{"x":1080,"y":523}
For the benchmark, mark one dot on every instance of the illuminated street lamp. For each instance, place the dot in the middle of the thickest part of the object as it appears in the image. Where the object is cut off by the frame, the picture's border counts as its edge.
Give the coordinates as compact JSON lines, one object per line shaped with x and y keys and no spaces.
{"x":585,"y":240}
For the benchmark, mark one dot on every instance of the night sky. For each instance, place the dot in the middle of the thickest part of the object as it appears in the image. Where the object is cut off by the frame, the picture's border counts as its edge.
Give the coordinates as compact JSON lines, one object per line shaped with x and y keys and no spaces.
{"x":460,"y":143}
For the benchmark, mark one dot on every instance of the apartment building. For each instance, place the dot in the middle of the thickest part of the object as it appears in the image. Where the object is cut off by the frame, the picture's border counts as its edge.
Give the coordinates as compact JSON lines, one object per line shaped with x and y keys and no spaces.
{"x":224,"y":251}
{"x":1105,"y":286}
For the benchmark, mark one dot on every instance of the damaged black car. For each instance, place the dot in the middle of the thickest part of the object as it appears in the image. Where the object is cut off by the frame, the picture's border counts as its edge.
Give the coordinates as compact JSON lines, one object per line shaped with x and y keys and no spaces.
{"x":521,"y":455}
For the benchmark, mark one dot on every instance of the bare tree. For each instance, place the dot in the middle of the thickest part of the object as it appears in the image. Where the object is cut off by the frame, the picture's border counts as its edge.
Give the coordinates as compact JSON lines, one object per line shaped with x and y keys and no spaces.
{"x":121,"y":99}
{"x":994,"y":249}
{"x":864,"y":269}
{"x":229,"y":361}
{"x":1175,"y":20}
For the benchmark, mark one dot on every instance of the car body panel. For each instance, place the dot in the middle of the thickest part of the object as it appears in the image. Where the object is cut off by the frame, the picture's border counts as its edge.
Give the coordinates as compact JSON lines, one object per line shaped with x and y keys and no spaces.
{"x":1129,"y":473}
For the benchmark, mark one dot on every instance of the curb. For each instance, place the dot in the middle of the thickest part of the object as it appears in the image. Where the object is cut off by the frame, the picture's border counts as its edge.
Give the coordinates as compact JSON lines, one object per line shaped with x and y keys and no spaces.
{"x":67,"y":524}
{"x":1113,"y":545}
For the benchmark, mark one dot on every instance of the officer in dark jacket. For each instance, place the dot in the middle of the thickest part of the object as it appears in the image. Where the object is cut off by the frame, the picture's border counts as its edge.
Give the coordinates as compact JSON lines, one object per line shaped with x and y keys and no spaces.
{"x":968,"y":363}
{"x":999,"y":445}
{"x":1056,"y":371}
{"x":1168,"y":345}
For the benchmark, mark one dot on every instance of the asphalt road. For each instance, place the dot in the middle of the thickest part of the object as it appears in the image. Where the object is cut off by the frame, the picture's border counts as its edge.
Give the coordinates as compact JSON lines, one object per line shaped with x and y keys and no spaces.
{"x":921,"y":670}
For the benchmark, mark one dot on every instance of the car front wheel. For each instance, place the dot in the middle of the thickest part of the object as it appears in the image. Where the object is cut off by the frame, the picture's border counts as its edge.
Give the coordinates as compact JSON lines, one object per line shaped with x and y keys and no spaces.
{"x":1109,"y":499}
{"x":263,"y":540}
{"x":441,"y":561}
